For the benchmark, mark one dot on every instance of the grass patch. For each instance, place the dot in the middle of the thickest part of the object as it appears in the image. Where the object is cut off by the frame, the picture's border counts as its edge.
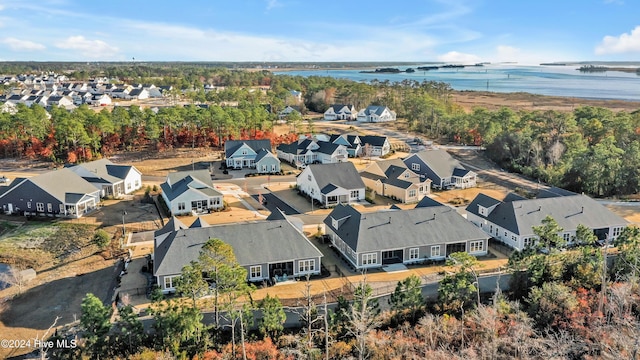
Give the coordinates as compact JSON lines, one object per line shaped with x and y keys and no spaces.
{"x":37,"y":244}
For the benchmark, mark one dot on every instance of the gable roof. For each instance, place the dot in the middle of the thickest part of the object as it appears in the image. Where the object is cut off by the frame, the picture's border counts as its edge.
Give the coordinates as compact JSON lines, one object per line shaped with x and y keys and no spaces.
{"x":440,"y":162}
{"x":375,"y":109}
{"x":262,"y":153}
{"x":60,"y":184}
{"x":179,"y":182}
{"x":341,"y":107}
{"x":394,"y":229}
{"x":326,"y":147}
{"x":231,"y":146}
{"x":342,"y":174}
{"x":373,"y":140}
{"x":103,"y":169}
{"x":253,"y":243}
{"x":428,"y":202}
{"x":520,"y":215}
{"x":199,"y":223}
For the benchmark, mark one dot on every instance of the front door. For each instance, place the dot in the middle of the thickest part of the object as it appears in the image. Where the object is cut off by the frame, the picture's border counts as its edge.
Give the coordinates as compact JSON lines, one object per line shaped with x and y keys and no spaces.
{"x":10,"y":207}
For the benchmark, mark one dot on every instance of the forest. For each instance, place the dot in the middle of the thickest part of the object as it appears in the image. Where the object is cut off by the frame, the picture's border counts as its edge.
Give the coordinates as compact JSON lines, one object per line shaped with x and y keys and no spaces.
{"x":591,"y":150}
{"x":579,"y":304}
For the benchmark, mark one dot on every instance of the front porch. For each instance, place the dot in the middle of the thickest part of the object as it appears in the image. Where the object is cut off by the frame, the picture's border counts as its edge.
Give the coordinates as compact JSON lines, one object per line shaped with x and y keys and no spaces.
{"x":79,"y":209}
{"x":241,"y":163}
{"x":279,"y":272}
{"x":333,"y":200}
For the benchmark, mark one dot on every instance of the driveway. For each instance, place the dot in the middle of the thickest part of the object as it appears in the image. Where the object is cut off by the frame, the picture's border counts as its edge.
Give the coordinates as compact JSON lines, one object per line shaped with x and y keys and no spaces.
{"x":272,"y":202}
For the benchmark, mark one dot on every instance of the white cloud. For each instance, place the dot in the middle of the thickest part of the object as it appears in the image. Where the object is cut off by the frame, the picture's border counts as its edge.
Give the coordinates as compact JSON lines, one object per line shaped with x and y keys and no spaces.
{"x":22,"y":45}
{"x":273,"y":4}
{"x":88,"y":48}
{"x":458,"y":57}
{"x":625,"y":43}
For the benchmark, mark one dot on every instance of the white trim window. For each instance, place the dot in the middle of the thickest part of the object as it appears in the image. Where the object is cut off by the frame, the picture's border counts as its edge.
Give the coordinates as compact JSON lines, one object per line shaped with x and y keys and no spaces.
{"x":617,"y":231}
{"x":528,"y":242}
{"x":415,"y":166}
{"x":412,"y":193}
{"x":566,"y":237}
{"x":435,"y":251}
{"x":181,"y":206}
{"x":168,"y":281}
{"x":306,"y":266}
{"x":255,"y":272}
{"x":476,"y":246}
{"x":355,"y":194}
{"x":28,"y":204}
{"x":369,"y":259}
{"x":49,"y":207}
{"x":40,"y":207}
{"x":62,"y":208}
{"x":414,"y":253}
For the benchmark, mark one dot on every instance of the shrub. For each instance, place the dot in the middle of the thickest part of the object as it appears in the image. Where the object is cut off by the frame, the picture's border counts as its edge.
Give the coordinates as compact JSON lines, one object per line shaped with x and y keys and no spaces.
{"x":101,"y":238}
{"x":155,"y":188}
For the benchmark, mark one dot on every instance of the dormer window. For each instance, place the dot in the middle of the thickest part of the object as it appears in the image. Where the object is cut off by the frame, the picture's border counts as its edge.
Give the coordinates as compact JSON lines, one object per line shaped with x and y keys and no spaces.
{"x":482,"y":210}
{"x":406,"y":175}
{"x":244,"y":152}
{"x":334,"y":223}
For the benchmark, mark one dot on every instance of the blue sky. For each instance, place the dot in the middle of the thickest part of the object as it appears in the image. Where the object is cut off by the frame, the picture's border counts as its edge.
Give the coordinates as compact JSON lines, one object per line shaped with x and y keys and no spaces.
{"x":330,"y":30}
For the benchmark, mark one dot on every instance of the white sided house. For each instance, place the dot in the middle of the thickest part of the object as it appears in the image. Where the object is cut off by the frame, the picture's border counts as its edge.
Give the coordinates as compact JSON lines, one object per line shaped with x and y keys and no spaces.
{"x":392,"y":178}
{"x":341,"y":112}
{"x":444,"y":171}
{"x":111,"y":179}
{"x":271,"y":250}
{"x":429,"y":232}
{"x":331,"y":184}
{"x":251,"y":154}
{"x":376,"y":113}
{"x":374,"y":145}
{"x":308,"y":151}
{"x":188,"y":192}
{"x":511,"y":220}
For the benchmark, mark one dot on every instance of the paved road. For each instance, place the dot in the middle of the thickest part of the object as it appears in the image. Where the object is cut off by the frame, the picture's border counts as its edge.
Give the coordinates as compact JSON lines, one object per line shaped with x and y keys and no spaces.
{"x":272,"y":202}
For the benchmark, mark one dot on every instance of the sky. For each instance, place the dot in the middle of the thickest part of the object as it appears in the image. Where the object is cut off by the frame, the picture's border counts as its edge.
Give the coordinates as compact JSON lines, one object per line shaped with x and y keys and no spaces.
{"x":461,"y":31}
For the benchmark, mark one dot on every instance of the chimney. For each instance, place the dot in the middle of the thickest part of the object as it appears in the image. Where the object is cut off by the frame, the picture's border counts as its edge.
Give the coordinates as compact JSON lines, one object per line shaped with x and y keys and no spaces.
{"x":539,"y":208}
{"x":582,"y":210}
{"x":389,"y":219}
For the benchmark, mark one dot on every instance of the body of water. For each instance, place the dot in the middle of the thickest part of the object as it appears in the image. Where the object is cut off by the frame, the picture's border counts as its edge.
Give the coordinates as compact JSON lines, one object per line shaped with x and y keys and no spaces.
{"x":543,"y":80}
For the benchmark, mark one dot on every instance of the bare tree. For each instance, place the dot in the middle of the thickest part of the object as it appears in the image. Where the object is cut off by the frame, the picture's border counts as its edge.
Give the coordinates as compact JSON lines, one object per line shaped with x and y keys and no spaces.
{"x":363,"y":317}
{"x":14,"y":277}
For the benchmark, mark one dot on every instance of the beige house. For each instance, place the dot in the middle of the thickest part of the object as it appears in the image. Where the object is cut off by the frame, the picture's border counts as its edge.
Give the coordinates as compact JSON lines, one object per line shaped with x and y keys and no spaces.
{"x":392,"y":178}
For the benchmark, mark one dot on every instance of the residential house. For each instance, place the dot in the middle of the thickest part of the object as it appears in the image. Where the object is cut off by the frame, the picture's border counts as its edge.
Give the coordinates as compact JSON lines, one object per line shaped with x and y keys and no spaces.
{"x":350,"y":141}
{"x":310,"y":151}
{"x":60,"y":101}
{"x":331,"y":184}
{"x":111,"y":179}
{"x":187,"y":192}
{"x":296,"y":95}
{"x":284,"y":113}
{"x":58,"y":193}
{"x":341,"y":112}
{"x":101,"y":100}
{"x":444,"y":171}
{"x":375,"y":113}
{"x":430,"y":231}
{"x":392,"y":178}
{"x":271,"y":250}
{"x":138,"y":94}
{"x":374,"y":145}
{"x":252,"y":154}
{"x":511,"y":220}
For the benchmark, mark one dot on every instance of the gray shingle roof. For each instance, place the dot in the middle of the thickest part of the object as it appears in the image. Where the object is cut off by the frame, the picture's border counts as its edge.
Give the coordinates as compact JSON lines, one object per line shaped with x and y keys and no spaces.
{"x":519,"y":216}
{"x":253,"y":243}
{"x":342,"y":174}
{"x":105,"y":170}
{"x":428,"y":202}
{"x":326,"y":147}
{"x":60,"y":183}
{"x":201,"y":175}
{"x":394,"y":229}
{"x":179,"y":182}
{"x":231,"y":146}
{"x":439,"y":161}
{"x":375,"y":109}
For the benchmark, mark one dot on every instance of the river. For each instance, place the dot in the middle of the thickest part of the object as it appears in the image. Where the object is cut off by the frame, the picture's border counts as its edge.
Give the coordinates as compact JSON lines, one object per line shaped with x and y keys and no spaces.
{"x":543,"y":80}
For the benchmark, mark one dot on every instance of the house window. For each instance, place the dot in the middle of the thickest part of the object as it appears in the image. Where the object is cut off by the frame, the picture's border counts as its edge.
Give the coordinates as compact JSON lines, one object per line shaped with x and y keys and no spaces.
{"x":128,"y":186}
{"x":61,"y":208}
{"x":255,"y":272}
{"x":617,"y":231}
{"x":513,"y":238}
{"x":476,"y":246}
{"x":214,"y":201}
{"x":370,"y":259}
{"x":244,"y":152}
{"x":49,"y":207}
{"x":414,"y":253}
{"x":406,"y":175}
{"x":168,"y":282}
{"x":137,"y":182}
{"x":415,"y":167}
{"x":264,"y":168}
{"x":28,"y":204}
{"x":355,"y":194}
{"x":435,"y":251}
{"x":309,"y":177}
{"x":412,"y":193}
{"x":505,"y":234}
{"x":40,"y":207}
{"x":566,"y":237}
{"x":181,"y":206}
{"x":528,"y":242}
{"x":306,"y":266}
